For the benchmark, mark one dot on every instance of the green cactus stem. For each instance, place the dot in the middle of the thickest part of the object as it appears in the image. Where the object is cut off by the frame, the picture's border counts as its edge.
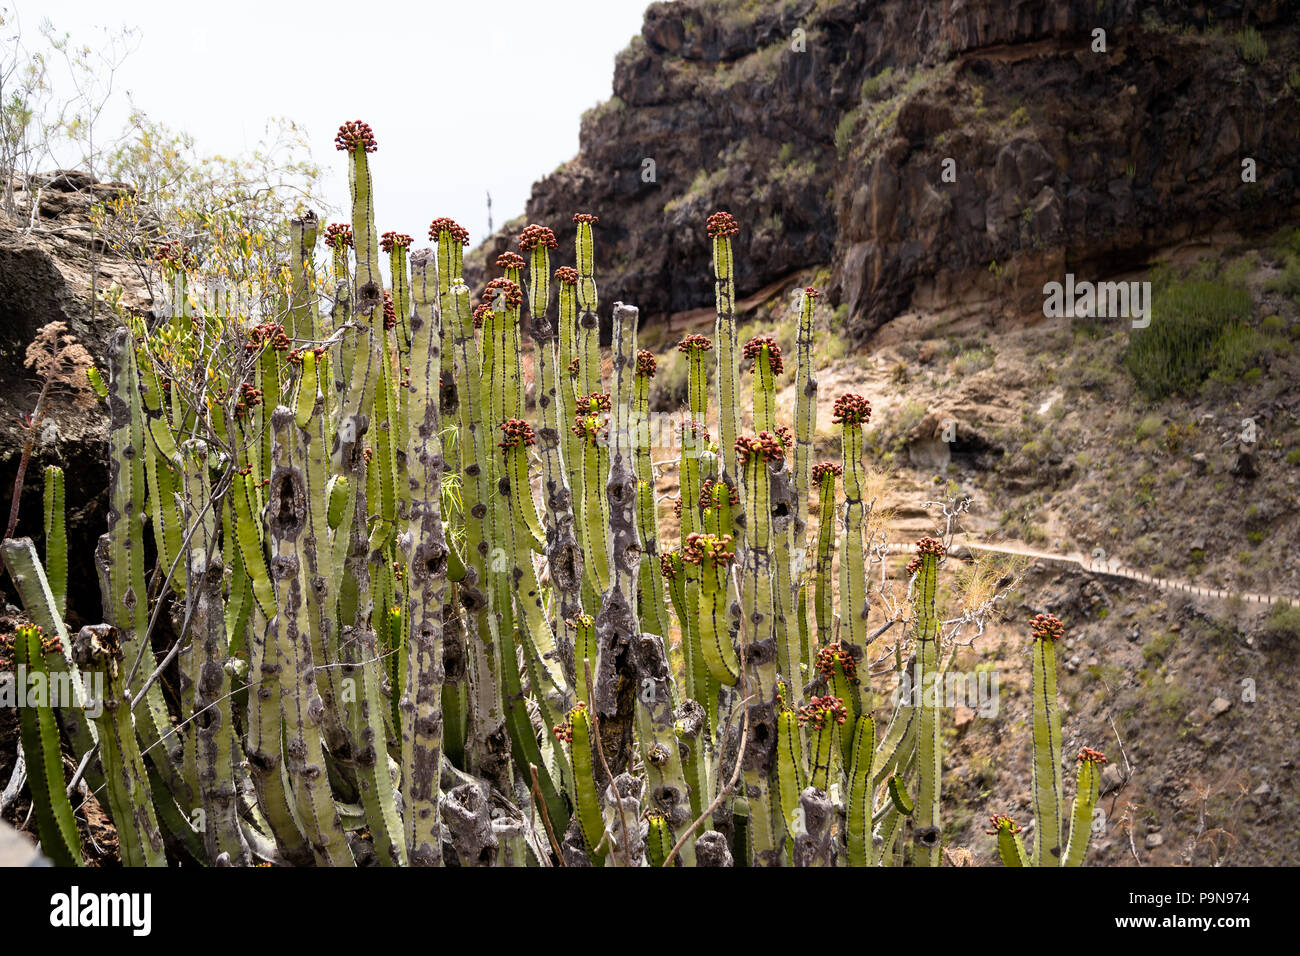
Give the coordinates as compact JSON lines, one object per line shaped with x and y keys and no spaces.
{"x":97,"y":651}
{"x":858,"y":809}
{"x":1047,"y":786}
{"x":1011,"y":846}
{"x":721,"y":227}
{"x":1087,"y":791}
{"x":26,"y":655}
{"x":824,"y":474}
{"x":576,"y":732}
{"x":712,"y":556}
{"x":927,"y":826}
{"x":56,"y":538}
{"x":301,"y":705}
{"x":851,"y":413}
{"x":822,"y":717}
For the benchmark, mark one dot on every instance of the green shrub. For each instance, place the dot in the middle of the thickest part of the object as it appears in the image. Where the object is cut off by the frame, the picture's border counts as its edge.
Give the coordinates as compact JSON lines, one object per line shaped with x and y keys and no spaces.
{"x":1252,"y":47}
{"x":1283,"y":623}
{"x":1176,"y":352}
{"x":1293,"y":456}
{"x":1288,"y":283}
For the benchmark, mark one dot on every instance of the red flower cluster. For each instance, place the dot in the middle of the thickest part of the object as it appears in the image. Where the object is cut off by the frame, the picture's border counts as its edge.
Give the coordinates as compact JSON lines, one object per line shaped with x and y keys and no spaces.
{"x":713,"y":548}
{"x":518,"y":434}
{"x":832,"y":654}
{"x":481,"y":310}
{"x":594,"y":403}
{"x":722,"y":224}
{"x":645,"y":363}
{"x":454,"y":231}
{"x":817,"y":710}
{"x":567,"y":274}
{"x":390,"y":313}
{"x":706,"y":492}
{"x":394,"y":240}
{"x":1047,"y":627}
{"x":573,"y":368}
{"x":354,"y":134}
{"x":811,"y":293}
{"x":1088,"y":755}
{"x":754,"y":348}
{"x":535,"y":237}
{"x":513,"y":295}
{"x":851,"y":409}
{"x":785,"y":436}
{"x":338,"y":235}
{"x":766,"y":447}
{"x":824,"y":468}
{"x":510,"y":260}
{"x":698,"y":343}
{"x":1002,"y":822}
{"x":585,"y":217}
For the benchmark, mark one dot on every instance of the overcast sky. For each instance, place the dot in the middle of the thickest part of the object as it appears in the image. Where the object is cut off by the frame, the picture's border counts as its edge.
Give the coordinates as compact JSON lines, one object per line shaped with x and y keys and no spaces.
{"x":431,"y":77}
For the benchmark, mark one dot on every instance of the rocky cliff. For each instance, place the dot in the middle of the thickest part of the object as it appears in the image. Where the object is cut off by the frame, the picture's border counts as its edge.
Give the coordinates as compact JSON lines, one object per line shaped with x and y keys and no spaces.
{"x":1076,"y":136}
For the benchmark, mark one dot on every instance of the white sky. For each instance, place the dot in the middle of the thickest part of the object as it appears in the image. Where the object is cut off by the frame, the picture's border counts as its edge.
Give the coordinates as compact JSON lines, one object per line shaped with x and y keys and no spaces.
{"x":465,"y":96}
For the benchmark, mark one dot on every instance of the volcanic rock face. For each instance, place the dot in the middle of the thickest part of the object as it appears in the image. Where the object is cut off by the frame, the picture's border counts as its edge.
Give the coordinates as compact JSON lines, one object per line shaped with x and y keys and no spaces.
{"x":827,"y":129}
{"x":45,"y":276}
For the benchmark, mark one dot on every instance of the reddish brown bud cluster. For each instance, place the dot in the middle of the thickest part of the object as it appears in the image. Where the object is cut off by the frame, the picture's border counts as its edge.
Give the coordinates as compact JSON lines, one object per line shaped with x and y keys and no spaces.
{"x":706,"y":492}
{"x":594,"y":403}
{"x":390,"y":313}
{"x":455,"y":232}
{"x":926,"y":545}
{"x":536,"y":237}
{"x":832,"y":654}
{"x":573,"y":368}
{"x":666,"y":566}
{"x":785,"y":436}
{"x":355,"y":134}
{"x":811,"y":293}
{"x":698,"y":343}
{"x":722,"y":224}
{"x":399,"y":574}
{"x":174,"y":254}
{"x":249,"y":397}
{"x":646,"y":364}
{"x":368,"y":454}
{"x":1047,"y":627}
{"x":567,"y":274}
{"x":52,"y":645}
{"x":711,"y":548}
{"x":394,"y":240}
{"x":590,"y":427}
{"x":754,"y":349}
{"x":1088,"y":755}
{"x":518,"y":433}
{"x":817,"y":710}
{"x":508,"y":291}
{"x":1002,"y":822}
{"x":268,"y":333}
{"x":824,"y":468}
{"x":693,"y":431}
{"x":851,"y":409}
{"x":481,"y":310}
{"x":338,"y":235}
{"x":294,"y":357}
{"x":766,"y":447}
{"x":585,"y":217}
{"x":510,"y":260}
{"x":564,"y":732}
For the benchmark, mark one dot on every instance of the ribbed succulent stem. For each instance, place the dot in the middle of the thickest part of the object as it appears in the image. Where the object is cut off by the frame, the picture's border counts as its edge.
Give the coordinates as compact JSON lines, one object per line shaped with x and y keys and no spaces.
{"x":927,"y":826}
